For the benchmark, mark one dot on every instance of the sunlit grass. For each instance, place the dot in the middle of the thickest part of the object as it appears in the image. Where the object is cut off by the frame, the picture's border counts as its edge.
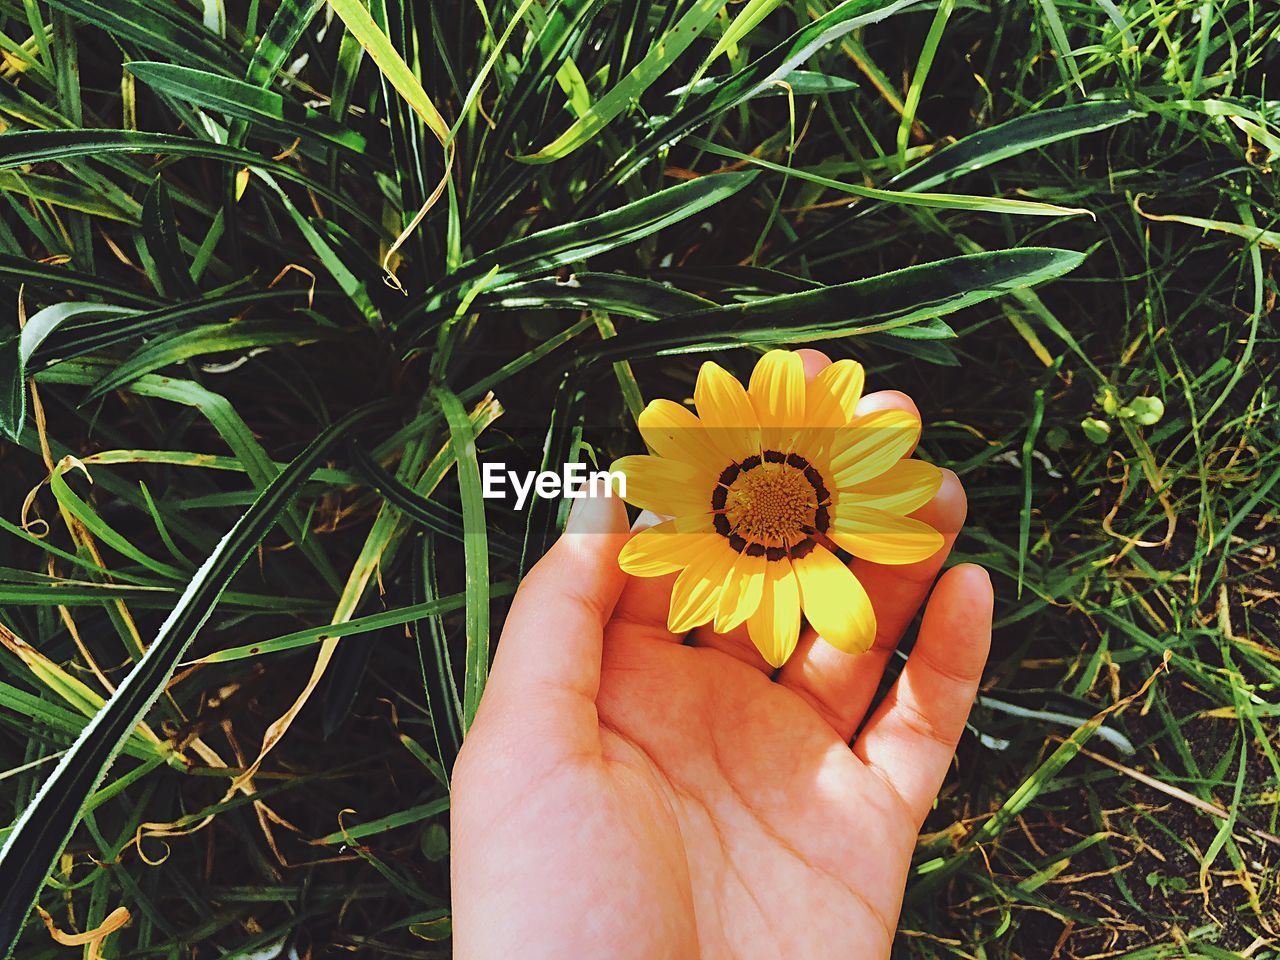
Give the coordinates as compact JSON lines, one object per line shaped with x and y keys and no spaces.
{"x":1037,"y":218}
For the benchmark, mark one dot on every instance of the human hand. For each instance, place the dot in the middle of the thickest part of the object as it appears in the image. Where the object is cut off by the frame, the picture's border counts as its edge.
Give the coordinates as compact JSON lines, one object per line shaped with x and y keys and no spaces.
{"x":623,"y":793}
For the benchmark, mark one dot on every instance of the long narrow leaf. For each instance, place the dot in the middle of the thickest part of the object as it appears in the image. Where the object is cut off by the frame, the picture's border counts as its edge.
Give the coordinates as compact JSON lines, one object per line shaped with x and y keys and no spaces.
{"x":661,"y":55}
{"x":16,"y":353}
{"x":547,"y":250}
{"x":46,"y":824}
{"x":1029,"y":131}
{"x":245,"y":101}
{"x":476,"y":552}
{"x":37,"y":146}
{"x":775,"y":65}
{"x":876,"y":305}
{"x":163,"y":28}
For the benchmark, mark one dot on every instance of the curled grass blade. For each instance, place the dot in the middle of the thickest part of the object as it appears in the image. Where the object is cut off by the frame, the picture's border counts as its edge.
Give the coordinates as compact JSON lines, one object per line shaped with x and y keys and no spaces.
{"x":46,"y":824}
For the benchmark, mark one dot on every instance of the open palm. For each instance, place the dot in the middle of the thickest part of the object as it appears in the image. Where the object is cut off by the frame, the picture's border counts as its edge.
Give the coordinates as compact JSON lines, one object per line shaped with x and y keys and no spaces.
{"x":626,"y":792}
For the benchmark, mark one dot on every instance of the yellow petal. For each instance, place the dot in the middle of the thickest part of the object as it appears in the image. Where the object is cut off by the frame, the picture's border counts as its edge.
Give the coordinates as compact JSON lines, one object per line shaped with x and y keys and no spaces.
{"x":696,"y":593}
{"x":834,"y":602}
{"x":831,"y":398}
{"x":777,"y":395}
{"x":668,"y":487}
{"x":672,"y":431}
{"x":775,"y":626}
{"x":871,"y":444}
{"x":883,"y":537}
{"x":665,"y":547}
{"x":906,"y":486}
{"x":740,"y":597}
{"x":725,"y":410}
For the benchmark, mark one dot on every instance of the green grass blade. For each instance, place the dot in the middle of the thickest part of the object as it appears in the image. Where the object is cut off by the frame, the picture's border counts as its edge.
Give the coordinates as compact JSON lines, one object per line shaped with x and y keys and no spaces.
{"x":463,"y":437}
{"x":207,"y":339}
{"x":16,"y":353}
{"x":775,"y":65}
{"x":246,"y":101}
{"x":44,"y":275}
{"x":544,"y":252}
{"x":102,"y":531}
{"x":610,"y":292}
{"x":937,"y":201}
{"x":37,"y":146}
{"x":46,"y":824}
{"x":662,"y":54}
{"x":353,"y":627}
{"x":877,"y":305}
{"x":162,"y":28}
{"x":1061,"y":45}
{"x":925,"y":61}
{"x":392,"y":821}
{"x":117,"y":325}
{"x":288,"y":23}
{"x":1029,"y":131}
{"x":162,"y":243}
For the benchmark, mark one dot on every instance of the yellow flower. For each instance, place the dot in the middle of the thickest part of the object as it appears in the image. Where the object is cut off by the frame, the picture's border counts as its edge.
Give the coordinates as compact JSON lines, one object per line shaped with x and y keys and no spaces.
{"x":760,"y":486}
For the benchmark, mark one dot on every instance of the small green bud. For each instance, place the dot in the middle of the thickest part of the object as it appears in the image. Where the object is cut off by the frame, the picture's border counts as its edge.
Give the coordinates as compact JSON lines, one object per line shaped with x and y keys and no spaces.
{"x":1147,"y":410}
{"x":1110,"y":402}
{"x":1096,"y":430}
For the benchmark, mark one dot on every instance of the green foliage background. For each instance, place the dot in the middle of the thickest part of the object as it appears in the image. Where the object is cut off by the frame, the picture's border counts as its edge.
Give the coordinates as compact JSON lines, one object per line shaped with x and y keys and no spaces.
{"x":241,"y":476}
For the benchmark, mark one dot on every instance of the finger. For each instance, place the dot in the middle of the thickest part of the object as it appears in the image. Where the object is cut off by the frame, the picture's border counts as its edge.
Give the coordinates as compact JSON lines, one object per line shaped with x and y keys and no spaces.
{"x":841,"y":686}
{"x":736,"y":643}
{"x":814,"y":361}
{"x":645,"y":601}
{"x":912,"y":736}
{"x":889,"y":400}
{"x":553,"y":634}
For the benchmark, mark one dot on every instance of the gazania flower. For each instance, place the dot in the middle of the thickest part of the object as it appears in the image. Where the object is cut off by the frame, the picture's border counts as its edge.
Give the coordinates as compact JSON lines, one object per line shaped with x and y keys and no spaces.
{"x":762,"y":487}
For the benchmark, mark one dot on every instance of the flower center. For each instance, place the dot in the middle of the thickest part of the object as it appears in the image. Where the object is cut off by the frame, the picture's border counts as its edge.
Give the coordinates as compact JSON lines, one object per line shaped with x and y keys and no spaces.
{"x":771,"y":505}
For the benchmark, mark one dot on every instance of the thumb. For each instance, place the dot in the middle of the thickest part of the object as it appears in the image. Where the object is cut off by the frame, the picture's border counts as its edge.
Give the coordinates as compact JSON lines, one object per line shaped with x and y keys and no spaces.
{"x":554,"y":633}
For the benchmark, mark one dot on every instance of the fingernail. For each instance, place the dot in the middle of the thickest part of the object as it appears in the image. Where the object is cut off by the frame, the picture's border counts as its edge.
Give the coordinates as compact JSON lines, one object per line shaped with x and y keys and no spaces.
{"x":592,"y":514}
{"x":647,"y":519}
